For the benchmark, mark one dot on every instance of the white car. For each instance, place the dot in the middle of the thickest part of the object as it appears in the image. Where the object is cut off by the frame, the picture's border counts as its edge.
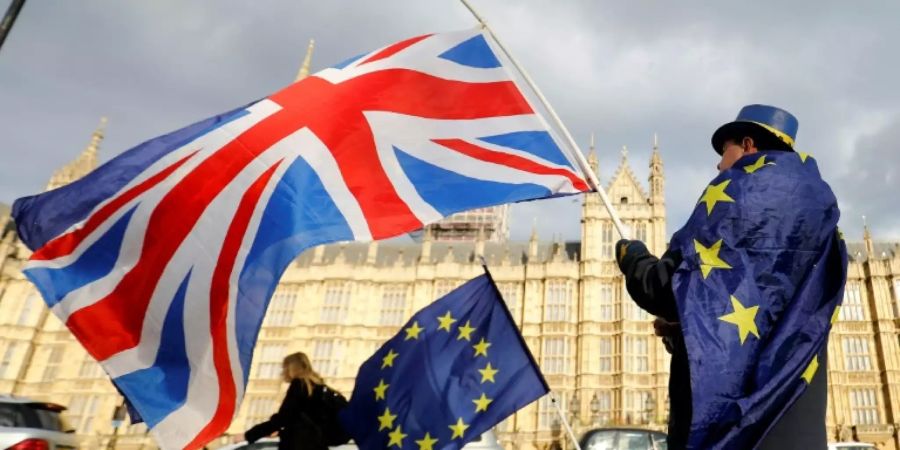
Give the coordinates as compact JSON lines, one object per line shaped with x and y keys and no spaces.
{"x":851,"y":446}
{"x":486,"y":441}
{"x":27,"y":424}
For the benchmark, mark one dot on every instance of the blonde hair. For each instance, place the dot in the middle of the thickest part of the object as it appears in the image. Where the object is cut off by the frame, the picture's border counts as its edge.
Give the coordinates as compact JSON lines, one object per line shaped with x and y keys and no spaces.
{"x":297,"y":367}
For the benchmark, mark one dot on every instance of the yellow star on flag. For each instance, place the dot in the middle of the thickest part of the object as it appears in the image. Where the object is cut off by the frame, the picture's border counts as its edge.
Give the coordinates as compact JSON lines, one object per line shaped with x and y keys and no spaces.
{"x":803,"y":156}
{"x":412,"y":331}
{"x":458,"y":429}
{"x":396,"y":437}
{"x":709,"y":257}
{"x":427,"y":442}
{"x":743,"y":317}
{"x":386,"y":420}
{"x":834,"y":316}
{"x":811,"y":369}
{"x":446,"y":320}
{"x":715,"y":193}
{"x":481,"y":404}
{"x":759,"y":164}
{"x":481,"y":347}
{"x":465,"y":331}
{"x":487,"y":374}
{"x":388,"y":360}
{"x":380,"y":390}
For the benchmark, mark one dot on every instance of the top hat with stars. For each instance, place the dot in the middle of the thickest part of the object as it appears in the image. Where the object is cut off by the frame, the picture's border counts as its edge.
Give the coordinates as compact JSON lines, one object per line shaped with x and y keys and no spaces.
{"x":773,"y":128}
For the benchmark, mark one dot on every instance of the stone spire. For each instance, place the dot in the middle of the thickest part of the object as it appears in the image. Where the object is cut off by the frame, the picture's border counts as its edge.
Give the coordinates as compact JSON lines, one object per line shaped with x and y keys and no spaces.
{"x":867,"y":238}
{"x":425,"y":256}
{"x":304,"y":68}
{"x":657,"y":177}
{"x":83,"y":164}
{"x":479,"y":245}
{"x":593,"y":162}
{"x":372,"y":252}
{"x":533,"y":243}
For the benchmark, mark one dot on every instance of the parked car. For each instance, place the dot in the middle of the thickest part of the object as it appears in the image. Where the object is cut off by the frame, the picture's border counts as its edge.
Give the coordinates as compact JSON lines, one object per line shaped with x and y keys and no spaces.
{"x":486,"y":441}
{"x":850,"y":446}
{"x":623,"y":439}
{"x":30,"y":425}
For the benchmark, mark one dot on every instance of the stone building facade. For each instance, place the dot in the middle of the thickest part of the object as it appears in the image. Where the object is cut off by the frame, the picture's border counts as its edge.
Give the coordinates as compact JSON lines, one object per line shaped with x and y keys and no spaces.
{"x":338,"y":303}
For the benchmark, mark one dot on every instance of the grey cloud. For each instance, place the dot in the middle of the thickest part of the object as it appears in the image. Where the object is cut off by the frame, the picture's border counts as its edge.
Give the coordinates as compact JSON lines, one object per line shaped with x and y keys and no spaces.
{"x":623,"y":70}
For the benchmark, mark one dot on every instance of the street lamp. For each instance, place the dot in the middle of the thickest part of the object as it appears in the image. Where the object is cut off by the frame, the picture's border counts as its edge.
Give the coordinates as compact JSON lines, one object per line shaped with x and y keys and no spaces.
{"x":555,"y":431}
{"x":595,"y":409}
{"x":650,"y":407}
{"x":575,"y":409}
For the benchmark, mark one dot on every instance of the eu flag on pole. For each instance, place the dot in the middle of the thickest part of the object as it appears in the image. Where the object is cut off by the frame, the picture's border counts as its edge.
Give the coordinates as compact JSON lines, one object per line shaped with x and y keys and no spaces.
{"x":763,"y":273}
{"x":457,"y":368}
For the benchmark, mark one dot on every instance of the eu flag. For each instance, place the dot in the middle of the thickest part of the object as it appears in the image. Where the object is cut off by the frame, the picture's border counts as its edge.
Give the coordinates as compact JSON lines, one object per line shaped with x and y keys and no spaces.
{"x":457,"y":368}
{"x":763,"y":273}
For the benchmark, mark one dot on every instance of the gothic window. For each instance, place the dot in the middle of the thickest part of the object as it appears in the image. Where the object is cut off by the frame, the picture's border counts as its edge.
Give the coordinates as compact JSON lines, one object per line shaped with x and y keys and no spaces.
{"x":81,"y":413}
{"x":326,"y":359}
{"x":7,"y":359}
{"x":270,"y":357}
{"x":606,"y":355}
{"x":604,"y":407}
{"x":443,"y":287}
{"x":281,"y":308}
{"x":259,"y":409}
{"x":393,"y":305}
{"x":607,"y":302}
{"x":89,"y":368}
{"x":27,"y":307}
{"x":638,"y":405}
{"x":640,"y":232}
{"x":896,"y":301}
{"x":606,"y":240}
{"x":856,"y":354}
{"x":336,"y":303}
{"x":555,"y":356}
{"x":852,"y":307}
{"x":864,"y":406}
{"x":631,"y":309}
{"x":54,"y":357}
{"x":547,"y":412}
{"x":510,"y":293}
{"x":637,"y":356}
{"x":558,"y":301}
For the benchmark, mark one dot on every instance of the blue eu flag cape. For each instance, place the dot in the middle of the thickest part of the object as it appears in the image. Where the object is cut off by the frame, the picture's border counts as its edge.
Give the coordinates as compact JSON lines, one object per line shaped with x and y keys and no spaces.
{"x":457,"y":368}
{"x":763,"y":272}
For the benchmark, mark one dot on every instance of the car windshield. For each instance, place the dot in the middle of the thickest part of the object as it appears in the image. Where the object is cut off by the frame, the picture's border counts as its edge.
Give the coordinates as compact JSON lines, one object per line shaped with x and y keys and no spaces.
{"x":20,"y":415}
{"x":603,"y":440}
{"x":625,"y":440}
{"x":633,"y":440}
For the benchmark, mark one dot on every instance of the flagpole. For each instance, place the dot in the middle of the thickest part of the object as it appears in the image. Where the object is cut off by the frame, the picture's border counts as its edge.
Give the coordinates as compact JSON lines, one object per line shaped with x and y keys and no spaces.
{"x":585,"y":167}
{"x":562,"y":417}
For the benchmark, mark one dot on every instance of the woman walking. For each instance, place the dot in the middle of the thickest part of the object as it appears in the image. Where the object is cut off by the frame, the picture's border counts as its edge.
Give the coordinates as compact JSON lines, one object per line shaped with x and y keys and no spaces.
{"x":294,"y":421}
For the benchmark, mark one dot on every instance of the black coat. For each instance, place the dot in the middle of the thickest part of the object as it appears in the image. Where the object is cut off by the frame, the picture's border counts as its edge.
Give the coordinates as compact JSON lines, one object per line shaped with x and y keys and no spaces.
{"x":649,"y":281}
{"x":296,"y":431}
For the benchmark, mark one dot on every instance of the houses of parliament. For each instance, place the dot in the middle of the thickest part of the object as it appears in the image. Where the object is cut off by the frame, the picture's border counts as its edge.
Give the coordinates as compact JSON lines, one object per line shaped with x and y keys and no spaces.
{"x":338,"y":303}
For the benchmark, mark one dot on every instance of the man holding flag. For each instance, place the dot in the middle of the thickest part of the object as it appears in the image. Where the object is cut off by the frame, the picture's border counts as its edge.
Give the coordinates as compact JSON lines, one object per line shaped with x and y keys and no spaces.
{"x":747,"y":293}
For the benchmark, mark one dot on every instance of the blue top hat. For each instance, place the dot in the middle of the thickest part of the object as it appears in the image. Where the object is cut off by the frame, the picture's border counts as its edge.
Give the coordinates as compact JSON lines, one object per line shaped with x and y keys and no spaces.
{"x":763,"y":122}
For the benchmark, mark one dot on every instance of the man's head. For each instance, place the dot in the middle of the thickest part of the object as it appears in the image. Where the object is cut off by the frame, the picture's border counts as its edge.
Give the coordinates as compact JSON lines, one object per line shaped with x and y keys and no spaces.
{"x":757,"y":127}
{"x":746,"y":141}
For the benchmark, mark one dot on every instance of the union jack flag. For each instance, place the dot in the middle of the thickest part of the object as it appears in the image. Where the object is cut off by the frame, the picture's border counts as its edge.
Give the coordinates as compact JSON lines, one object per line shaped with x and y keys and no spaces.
{"x":162,"y":261}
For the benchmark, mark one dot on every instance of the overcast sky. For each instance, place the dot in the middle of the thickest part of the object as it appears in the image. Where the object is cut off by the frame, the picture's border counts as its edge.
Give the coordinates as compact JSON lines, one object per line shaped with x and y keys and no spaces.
{"x":622,"y":70}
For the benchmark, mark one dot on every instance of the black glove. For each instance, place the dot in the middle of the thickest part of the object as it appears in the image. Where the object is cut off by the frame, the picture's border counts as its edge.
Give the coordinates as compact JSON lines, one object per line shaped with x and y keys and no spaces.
{"x":627,"y":251}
